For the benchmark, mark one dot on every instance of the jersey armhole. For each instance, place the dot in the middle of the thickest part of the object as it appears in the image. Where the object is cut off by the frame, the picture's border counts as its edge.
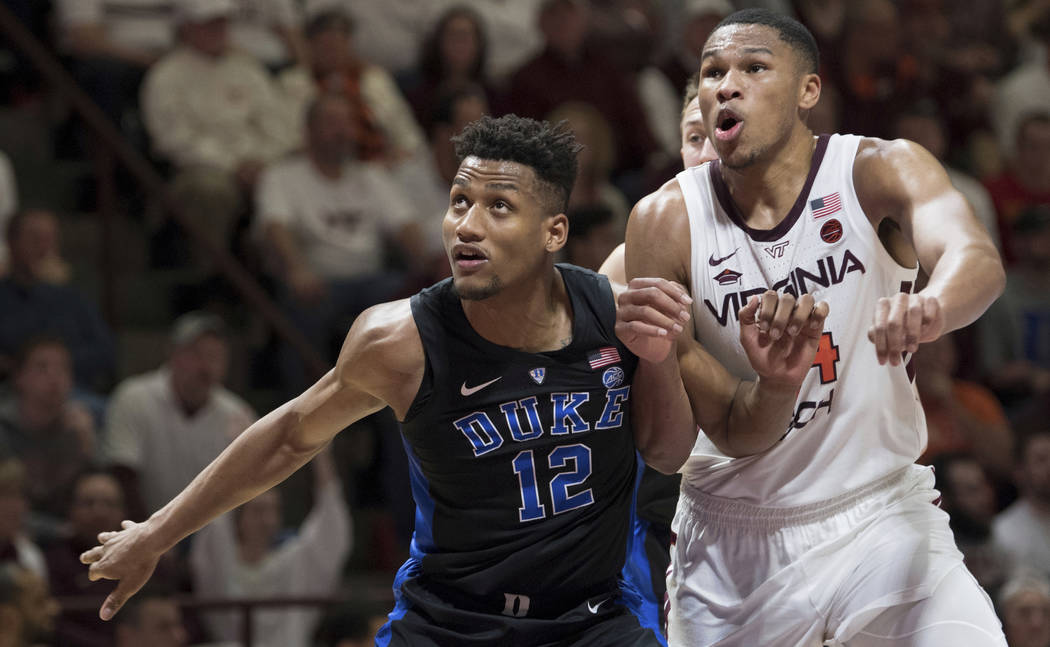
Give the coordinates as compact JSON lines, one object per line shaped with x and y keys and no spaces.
{"x":426,"y":385}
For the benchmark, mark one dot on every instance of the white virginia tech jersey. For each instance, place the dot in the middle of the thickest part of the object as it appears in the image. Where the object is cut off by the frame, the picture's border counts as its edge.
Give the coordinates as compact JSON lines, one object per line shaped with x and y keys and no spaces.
{"x":854,"y":421}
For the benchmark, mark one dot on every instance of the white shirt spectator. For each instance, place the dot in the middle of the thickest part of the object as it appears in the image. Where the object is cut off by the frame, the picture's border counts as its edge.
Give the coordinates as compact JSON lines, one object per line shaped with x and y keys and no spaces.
{"x":308,"y":564}
{"x":339,"y":224}
{"x":214,"y":112}
{"x":138,"y":24}
{"x":147,"y":430}
{"x":254,"y":28}
{"x":1024,"y":532}
{"x":1023,"y":91}
{"x":8,"y":205}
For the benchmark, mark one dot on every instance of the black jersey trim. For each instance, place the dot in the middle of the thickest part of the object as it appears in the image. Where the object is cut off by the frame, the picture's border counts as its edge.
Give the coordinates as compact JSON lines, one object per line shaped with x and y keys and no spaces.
{"x":766,"y":235}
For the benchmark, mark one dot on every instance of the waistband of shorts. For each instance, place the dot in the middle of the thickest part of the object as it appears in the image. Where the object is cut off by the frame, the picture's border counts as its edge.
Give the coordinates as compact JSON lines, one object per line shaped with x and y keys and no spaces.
{"x":748,"y":515}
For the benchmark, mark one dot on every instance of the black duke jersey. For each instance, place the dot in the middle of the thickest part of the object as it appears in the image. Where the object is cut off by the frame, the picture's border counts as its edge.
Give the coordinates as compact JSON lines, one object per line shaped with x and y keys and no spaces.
{"x":523,"y":465}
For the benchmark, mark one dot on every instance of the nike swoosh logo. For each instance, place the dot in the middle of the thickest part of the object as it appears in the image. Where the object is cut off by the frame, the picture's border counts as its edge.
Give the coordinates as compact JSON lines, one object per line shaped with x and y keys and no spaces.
{"x":594,"y":608}
{"x":715,"y":262}
{"x":471,"y":390}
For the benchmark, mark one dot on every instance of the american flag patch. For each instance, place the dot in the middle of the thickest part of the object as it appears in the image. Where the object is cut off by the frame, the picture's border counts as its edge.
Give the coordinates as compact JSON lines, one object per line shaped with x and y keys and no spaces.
{"x":603,"y":357}
{"x":825,"y":206}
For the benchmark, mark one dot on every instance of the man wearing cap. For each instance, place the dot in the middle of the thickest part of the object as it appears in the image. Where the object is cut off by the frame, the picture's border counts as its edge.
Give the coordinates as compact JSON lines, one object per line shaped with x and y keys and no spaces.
{"x":214,"y":114}
{"x":164,"y":426}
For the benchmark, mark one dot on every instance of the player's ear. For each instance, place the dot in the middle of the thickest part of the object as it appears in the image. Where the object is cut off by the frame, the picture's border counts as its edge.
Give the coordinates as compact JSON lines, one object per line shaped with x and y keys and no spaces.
{"x":809,"y":91}
{"x":557,"y":232}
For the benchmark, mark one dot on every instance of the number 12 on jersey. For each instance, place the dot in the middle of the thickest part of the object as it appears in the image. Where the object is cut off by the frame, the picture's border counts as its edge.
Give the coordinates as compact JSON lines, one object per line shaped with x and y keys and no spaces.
{"x":561,"y":501}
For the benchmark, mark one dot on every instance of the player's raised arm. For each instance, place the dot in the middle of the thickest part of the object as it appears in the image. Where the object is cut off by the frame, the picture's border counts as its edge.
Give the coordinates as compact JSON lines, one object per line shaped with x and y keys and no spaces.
{"x":901,"y":181}
{"x":779,"y":335}
{"x":381,"y":363}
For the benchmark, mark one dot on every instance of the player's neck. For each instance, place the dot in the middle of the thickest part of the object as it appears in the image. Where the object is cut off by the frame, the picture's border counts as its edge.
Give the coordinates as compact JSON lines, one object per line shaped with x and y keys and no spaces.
{"x":534,"y":317}
{"x":766,"y":190}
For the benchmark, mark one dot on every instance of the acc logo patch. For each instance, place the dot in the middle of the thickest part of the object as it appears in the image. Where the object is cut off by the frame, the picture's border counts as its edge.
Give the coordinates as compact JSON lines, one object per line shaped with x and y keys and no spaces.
{"x":613,"y":377}
{"x":831,"y":231}
{"x":538,"y":374}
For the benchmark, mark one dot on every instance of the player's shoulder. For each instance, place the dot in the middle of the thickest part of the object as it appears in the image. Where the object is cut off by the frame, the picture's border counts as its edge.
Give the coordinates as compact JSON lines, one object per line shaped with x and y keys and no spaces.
{"x":888,"y":155}
{"x":666,"y":201}
{"x":384,"y":334}
{"x":892,"y":168}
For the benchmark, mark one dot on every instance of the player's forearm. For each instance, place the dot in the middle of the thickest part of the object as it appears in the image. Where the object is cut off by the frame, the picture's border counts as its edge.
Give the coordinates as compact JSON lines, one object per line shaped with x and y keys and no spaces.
{"x":758,"y":417}
{"x":965,"y":281}
{"x":264,"y":455}
{"x":664,"y":429}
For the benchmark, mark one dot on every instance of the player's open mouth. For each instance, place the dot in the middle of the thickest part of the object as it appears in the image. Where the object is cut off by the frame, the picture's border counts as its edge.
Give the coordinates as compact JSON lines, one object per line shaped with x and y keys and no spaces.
{"x":468,"y":257}
{"x":728,"y":125}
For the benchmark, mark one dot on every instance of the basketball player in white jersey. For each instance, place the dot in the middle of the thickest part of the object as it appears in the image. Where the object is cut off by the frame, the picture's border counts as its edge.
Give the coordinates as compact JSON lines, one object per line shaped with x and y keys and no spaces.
{"x":818,"y":530}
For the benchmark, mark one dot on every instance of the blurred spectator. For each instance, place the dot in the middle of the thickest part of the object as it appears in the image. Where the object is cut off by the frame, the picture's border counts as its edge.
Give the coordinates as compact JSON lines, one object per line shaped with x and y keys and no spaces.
{"x":1025,"y":182}
{"x":1027,"y":88}
{"x":390,"y":30}
{"x":922,"y":124}
{"x":568,"y":69}
{"x":455,"y":108}
{"x":111,"y":44}
{"x":351,"y":625}
{"x":697,"y":20}
{"x":1024,"y":605}
{"x":451,"y":56}
{"x":41,"y":425}
{"x":214,"y":114}
{"x":15,"y":545}
{"x":32,"y":304}
{"x":969,"y":499}
{"x":1023,"y":528}
{"x":165,"y":426}
{"x":876,"y":77}
{"x":27,"y":611}
{"x":1015,"y":331}
{"x":961,"y":416}
{"x":826,"y":20}
{"x":596,"y":160}
{"x":238,"y":555}
{"x":269,"y":30}
{"x":150,"y":619}
{"x":594,"y":232}
{"x":325,"y":218}
{"x":8,"y":205}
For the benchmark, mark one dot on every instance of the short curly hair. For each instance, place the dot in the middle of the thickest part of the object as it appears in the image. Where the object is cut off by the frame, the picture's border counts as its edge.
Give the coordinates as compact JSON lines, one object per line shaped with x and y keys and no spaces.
{"x":548,"y":149}
{"x":788,"y":29}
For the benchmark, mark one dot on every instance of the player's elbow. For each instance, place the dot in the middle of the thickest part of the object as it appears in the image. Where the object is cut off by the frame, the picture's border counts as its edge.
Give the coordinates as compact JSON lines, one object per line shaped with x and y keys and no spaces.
{"x":663,"y":456}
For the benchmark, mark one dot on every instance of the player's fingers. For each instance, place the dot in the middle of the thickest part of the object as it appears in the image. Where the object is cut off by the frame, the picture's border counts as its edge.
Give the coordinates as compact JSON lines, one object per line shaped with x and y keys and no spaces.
{"x":747,"y":315}
{"x":116,"y":599}
{"x":817,"y":317}
{"x":651,"y":316}
{"x":895,"y":328}
{"x":913,"y":325}
{"x":655,"y":297}
{"x":636,"y":328}
{"x":674,"y":289}
{"x":91,"y":555}
{"x":800,"y":315}
{"x":878,"y":331}
{"x":784,"y":307}
{"x":931,"y":320}
{"x":767,"y":308}
{"x":127,"y":523}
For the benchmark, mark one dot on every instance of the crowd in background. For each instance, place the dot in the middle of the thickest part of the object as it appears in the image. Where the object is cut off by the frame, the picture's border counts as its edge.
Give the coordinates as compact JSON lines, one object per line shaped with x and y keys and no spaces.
{"x":311,"y":140}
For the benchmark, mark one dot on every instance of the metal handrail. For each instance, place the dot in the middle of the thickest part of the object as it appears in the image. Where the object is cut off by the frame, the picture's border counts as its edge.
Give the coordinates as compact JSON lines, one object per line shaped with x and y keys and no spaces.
{"x":151,"y":181}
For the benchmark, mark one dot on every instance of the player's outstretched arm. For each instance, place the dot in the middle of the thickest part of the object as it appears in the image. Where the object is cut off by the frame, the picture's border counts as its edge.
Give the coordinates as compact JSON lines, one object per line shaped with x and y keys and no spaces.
{"x":740,"y":417}
{"x":901,"y":181}
{"x":381,"y":363}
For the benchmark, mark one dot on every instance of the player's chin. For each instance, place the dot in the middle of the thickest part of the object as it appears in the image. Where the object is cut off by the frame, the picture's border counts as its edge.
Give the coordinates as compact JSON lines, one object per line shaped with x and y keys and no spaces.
{"x":476,"y":288}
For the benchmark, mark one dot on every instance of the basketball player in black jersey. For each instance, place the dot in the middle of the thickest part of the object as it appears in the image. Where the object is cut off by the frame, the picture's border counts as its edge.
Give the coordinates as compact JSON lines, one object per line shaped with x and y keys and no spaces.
{"x":514,"y":390}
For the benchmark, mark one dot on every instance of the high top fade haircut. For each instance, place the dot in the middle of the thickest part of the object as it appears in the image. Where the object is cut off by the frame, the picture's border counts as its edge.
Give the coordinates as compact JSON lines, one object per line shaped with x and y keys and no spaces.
{"x":788,"y":29}
{"x":548,"y":149}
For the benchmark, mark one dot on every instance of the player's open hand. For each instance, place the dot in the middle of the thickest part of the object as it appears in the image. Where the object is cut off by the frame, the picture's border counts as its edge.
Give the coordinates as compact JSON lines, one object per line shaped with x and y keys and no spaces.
{"x":902,"y":322}
{"x":125,"y":556}
{"x":780,"y":335}
{"x":650,"y":314}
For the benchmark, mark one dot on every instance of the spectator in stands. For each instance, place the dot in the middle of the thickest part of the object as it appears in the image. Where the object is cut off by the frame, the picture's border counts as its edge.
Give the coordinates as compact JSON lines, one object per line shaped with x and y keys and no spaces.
{"x":351,"y":625}
{"x":594,"y":232}
{"x":8,"y":204}
{"x":452,"y":55}
{"x":49,"y":432}
{"x":238,"y":555}
{"x":15,"y":545}
{"x":33,"y":305}
{"x":568,"y":69}
{"x":325,"y":218}
{"x":269,"y":30}
{"x":1026,"y":89}
{"x":697,"y":20}
{"x":27,"y":611}
{"x":1024,"y":605}
{"x":1015,"y":331}
{"x":455,"y":108}
{"x":214,"y":114}
{"x":112,"y":44}
{"x":961,"y":416}
{"x":165,"y":426}
{"x":968,"y":497}
{"x":1025,"y":182}
{"x":1022,"y":529}
{"x":151,"y":619}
